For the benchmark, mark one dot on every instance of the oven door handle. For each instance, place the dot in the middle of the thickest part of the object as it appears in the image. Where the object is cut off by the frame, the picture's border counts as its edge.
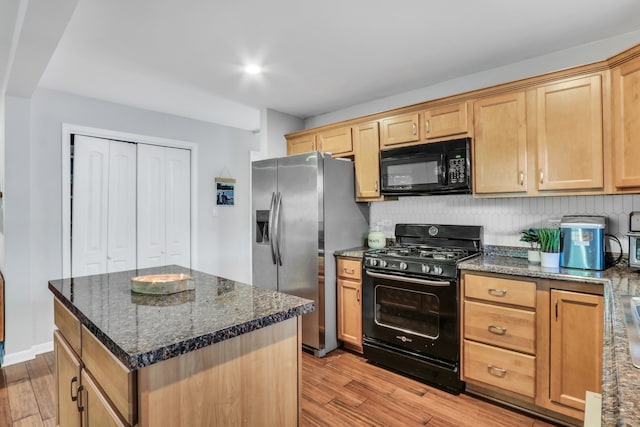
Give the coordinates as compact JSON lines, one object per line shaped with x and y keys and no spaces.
{"x":408,"y":279}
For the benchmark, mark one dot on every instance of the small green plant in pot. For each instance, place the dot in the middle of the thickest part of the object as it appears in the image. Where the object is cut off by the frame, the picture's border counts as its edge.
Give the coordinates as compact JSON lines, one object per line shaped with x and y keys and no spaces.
{"x":531,"y":236}
{"x":550,"y":246}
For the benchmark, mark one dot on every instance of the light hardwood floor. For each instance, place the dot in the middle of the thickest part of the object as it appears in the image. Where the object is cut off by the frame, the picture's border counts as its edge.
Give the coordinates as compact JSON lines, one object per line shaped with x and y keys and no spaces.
{"x":340,"y":389}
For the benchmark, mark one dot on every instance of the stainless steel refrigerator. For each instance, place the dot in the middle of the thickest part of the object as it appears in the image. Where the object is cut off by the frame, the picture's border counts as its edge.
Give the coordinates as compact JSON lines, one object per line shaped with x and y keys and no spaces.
{"x":303,"y":210}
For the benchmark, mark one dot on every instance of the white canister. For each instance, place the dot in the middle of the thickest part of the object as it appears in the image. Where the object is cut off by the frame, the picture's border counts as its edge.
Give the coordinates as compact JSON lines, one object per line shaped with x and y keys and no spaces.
{"x":376,"y":240}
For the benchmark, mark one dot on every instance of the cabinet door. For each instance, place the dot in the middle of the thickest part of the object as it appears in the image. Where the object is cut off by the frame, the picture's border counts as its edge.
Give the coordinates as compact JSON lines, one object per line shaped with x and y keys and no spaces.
{"x":626,"y":125}
{"x":576,"y":347}
{"x":500,"y":144}
{"x":336,"y":141}
{"x":400,"y":129}
{"x":67,"y":375}
{"x":350,"y":312}
{"x":367,"y":160}
{"x":302,"y":144}
{"x":96,"y":410}
{"x":445,"y":121}
{"x":569,"y":135}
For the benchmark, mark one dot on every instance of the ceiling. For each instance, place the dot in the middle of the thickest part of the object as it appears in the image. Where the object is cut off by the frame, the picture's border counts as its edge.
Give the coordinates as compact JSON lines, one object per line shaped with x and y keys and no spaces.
{"x":186,"y":57}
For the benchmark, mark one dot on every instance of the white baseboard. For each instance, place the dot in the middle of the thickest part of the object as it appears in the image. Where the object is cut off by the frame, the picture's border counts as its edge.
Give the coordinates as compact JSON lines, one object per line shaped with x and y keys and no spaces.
{"x":23,"y":356}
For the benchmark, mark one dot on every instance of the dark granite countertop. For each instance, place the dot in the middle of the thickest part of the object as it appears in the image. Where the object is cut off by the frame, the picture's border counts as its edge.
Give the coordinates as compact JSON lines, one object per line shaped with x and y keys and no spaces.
{"x":620,"y":379}
{"x":141,"y":330}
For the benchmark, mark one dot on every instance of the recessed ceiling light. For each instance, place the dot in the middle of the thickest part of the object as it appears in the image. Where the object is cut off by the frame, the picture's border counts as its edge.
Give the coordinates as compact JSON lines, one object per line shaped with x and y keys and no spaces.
{"x":252,"y":69}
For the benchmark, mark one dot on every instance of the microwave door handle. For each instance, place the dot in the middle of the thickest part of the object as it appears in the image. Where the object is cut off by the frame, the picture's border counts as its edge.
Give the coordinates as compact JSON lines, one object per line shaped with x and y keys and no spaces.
{"x":443,"y":169}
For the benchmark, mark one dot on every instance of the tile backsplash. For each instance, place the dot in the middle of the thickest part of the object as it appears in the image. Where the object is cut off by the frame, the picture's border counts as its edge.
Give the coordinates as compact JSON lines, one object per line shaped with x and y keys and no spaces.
{"x":503,"y":219}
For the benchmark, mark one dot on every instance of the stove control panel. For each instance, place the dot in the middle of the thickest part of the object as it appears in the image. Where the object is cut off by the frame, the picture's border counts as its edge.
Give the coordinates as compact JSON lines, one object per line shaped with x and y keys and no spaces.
{"x":419,"y":268}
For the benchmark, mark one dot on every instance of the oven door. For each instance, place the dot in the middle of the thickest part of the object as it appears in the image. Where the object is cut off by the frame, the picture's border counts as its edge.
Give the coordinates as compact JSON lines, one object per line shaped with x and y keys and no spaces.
{"x":415,"y":314}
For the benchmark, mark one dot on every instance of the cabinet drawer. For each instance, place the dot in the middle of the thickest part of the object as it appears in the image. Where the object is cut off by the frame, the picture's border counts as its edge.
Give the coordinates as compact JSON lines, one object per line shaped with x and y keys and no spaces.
{"x":114,"y":378}
{"x":350,"y":268}
{"x":501,"y":368}
{"x":502,"y":326}
{"x":496,"y":289}
{"x":67,"y":324}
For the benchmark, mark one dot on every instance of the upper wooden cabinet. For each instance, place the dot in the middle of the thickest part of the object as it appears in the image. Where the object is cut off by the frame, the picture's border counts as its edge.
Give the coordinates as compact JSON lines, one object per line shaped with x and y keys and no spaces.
{"x":449,"y":120}
{"x":569,"y":135}
{"x":400,"y":129}
{"x":367,"y":161}
{"x":335,"y":141}
{"x":626,"y":125}
{"x":500,"y":144}
{"x":301,"y":144}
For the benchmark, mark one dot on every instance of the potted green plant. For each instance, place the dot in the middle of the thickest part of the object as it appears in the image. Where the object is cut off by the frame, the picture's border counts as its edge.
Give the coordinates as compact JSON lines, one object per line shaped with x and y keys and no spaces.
{"x":549,"y":247}
{"x":531,"y":236}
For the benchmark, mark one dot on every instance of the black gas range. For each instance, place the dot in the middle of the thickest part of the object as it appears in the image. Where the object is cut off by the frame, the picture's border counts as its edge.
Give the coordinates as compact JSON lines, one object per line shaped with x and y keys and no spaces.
{"x":411,"y":301}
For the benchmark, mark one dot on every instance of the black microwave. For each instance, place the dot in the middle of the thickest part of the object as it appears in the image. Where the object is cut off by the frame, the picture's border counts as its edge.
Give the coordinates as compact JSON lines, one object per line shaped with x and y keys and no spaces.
{"x":432,"y":168}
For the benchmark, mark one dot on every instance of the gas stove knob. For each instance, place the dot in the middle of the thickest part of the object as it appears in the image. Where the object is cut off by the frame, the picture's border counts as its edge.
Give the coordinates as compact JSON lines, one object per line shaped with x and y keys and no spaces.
{"x":403,"y":265}
{"x":437,"y":270}
{"x":383,"y":263}
{"x":373,"y":262}
{"x":426,"y":268}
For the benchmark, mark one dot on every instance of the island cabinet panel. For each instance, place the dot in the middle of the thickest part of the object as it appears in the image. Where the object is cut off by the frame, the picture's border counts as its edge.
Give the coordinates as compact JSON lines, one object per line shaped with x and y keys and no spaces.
{"x":68,"y":324}
{"x":626,"y":125}
{"x":446,"y":121}
{"x":366,"y":139}
{"x":570,"y":135}
{"x":397,"y":130}
{"x":500,"y":144}
{"x":67,"y":376}
{"x":249,"y":380}
{"x":115,"y":379}
{"x":97,"y":410}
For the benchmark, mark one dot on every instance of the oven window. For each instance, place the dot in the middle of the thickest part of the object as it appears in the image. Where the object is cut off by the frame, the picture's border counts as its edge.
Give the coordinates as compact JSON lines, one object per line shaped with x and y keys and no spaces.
{"x":409,"y":174}
{"x":407,"y":311}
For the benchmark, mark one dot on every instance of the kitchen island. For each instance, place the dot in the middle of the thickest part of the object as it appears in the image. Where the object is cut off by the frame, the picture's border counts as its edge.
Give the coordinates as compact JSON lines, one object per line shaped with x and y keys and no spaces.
{"x":620,"y":380}
{"x":225,"y":353}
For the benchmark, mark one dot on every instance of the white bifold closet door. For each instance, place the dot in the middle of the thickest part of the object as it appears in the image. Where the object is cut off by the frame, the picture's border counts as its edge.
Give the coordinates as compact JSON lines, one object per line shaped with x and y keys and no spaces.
{"x":164,"y":206}
{"x":103,"y":206}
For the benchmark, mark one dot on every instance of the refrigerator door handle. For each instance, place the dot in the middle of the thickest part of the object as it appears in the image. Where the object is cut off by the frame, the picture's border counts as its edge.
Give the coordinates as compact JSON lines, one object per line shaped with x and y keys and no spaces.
{"x":272,"y":231}
{"x":277,"y":222}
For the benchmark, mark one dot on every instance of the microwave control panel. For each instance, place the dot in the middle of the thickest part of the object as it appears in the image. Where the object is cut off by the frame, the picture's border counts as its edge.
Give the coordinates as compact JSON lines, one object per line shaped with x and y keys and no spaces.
{"x":457,"y":170}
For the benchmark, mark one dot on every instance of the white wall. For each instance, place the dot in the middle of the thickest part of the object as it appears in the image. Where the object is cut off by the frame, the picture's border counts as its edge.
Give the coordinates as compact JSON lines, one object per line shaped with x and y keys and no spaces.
{"x":33,"y":219}
{"x":274,"y":125}
{"x":580,"y":55}
{"x":503,"y":219}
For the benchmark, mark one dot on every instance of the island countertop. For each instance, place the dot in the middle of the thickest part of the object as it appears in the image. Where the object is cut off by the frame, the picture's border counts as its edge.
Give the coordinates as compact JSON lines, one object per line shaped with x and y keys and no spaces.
{"x":141,"y":330}
{"x":620,"y":380}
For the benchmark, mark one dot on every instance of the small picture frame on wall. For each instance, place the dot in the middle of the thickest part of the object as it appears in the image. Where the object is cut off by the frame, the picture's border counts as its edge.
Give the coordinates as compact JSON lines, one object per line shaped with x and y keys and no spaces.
{"x":225,"y":191}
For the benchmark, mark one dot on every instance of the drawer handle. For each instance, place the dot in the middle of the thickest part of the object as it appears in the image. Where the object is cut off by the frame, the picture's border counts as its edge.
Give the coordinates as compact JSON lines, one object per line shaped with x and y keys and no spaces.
{"x":74,"y":398}
{"x":349,"y":270}
{"x":79,"y":402}
{"x":498,"y":330}
{"x":497,"y":292}
{"x":496,"y":372}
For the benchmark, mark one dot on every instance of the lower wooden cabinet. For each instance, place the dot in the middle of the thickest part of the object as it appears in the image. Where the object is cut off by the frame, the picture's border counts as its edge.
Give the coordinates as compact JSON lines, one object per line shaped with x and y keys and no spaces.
{"x":85,"y":376}
{"x":350,"y":303}
{"x":532,"y":343}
